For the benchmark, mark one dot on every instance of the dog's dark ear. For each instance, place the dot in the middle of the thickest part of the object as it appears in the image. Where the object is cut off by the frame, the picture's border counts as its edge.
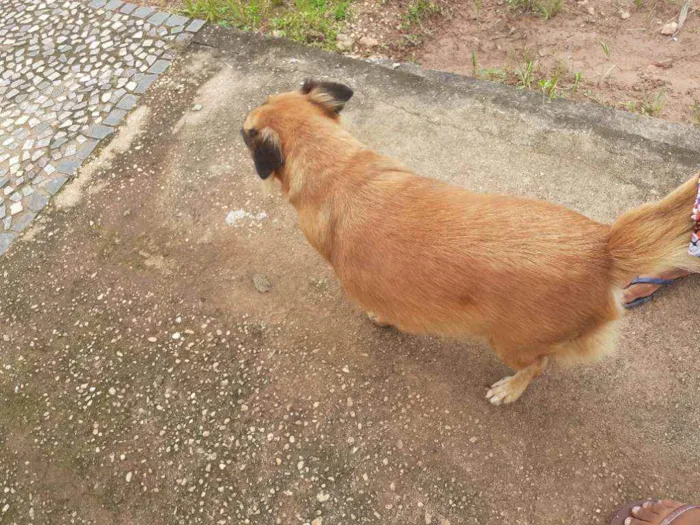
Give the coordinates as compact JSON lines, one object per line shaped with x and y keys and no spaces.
{"x":267,"y":152}
{"x":330,"y":95}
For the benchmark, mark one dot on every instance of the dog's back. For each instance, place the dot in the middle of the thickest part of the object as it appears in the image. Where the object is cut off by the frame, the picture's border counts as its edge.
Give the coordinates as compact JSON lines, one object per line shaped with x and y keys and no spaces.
{"x":439,"y":259}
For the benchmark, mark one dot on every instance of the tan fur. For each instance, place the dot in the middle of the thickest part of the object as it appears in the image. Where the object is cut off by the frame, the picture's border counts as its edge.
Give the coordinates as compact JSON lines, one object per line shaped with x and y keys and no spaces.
{"x":535,"y":279}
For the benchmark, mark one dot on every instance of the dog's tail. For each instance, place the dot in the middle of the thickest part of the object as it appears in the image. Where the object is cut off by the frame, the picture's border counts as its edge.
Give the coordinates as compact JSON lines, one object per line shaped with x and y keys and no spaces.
{"x":655,"y":237}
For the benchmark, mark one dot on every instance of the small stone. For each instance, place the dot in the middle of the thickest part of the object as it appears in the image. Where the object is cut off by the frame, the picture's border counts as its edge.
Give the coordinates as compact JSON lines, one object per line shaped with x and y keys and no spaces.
{"x":16,"y":208}
{"x":197,"y":107}
{"x":127,"y":102}
{"x":669,"y":29}
{"x":159,"y":66}
{"x":315,"y":36}
{"x":23,"y":221}
{"x":143,"y":11}
{"x":625,"y":15}
{"x":176,"y":21}
{"x":55,"y":184}
{"x":37,"y":201}
{"x":128,"y":477}
{"x":68,"y":166}
{"x":5,"y":241}
{"x":317,"y":521}
{"x":344,"y":42}
{"x":99,"y":131}
{"x":176,"y":336}
{"x":195,"y":26}
{"x":145,"y":83}
{"x":114,"y":117}
{"x":321,"y":497}
{"x":368,"y":41}
{"x":591,"y":11}
{"x":262,"y":283}
{"x":158,"y":18}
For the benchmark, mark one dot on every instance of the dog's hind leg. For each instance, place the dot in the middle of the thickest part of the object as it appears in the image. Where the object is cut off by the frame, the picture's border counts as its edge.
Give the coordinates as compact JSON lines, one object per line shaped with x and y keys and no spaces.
{"x":510,"y":388}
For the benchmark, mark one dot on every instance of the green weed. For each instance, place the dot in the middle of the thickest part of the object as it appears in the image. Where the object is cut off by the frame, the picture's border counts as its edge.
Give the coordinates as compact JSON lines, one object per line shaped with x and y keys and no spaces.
{"x":493,"y":74}
{"x":526,"y":74}
{"x":695,"y":112}
{"x":577,"y":81}
{"x":548,"y":86}
{"x":548,"y":8}
{"x":545,"y":8}
{"x":311,"y":21}
{"x":421,"y":9}
{"x":606,"y":48}
{"x":652,"y":106}
{"x":477,"y":5}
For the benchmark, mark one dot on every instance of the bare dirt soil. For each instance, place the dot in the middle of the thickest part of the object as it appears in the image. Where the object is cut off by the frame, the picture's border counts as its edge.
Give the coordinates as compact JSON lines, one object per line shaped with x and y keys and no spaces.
{"x":617,"y":48}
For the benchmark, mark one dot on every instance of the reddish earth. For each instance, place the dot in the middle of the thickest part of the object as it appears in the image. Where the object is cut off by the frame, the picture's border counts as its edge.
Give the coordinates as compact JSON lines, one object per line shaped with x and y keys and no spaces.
{"x":645,"y":70}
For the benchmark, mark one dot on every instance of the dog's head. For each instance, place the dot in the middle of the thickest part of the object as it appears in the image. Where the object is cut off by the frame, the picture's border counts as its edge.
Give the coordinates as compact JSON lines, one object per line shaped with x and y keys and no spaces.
{"x":269,"y":126}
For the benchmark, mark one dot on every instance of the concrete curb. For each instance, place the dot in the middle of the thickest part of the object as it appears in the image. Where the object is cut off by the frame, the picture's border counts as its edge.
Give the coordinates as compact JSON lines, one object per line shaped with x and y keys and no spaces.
{"x":677,"y":142}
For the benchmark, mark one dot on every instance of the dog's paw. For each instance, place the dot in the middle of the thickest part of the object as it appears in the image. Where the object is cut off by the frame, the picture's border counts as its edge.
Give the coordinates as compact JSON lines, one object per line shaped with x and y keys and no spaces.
{"x":506,"y":390}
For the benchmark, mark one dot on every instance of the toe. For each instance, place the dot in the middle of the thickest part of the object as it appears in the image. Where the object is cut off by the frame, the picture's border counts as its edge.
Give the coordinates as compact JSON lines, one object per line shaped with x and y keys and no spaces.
{"x":670,"y":504}
{"x":495,"y":396}
{"x":656,"y":507}
{"x":644,"y":514}
{"x":635,"y":521}
{"x":501,"y":382}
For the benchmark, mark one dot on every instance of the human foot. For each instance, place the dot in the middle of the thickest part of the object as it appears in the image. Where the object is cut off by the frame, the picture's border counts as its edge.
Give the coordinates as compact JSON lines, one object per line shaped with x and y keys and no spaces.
{"x":640,"y":291}
{"x":663,"y":512}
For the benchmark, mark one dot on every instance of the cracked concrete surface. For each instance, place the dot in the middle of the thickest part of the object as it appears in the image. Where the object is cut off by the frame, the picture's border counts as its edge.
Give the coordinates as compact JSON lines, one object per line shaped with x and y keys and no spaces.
{"x":149,"y":379}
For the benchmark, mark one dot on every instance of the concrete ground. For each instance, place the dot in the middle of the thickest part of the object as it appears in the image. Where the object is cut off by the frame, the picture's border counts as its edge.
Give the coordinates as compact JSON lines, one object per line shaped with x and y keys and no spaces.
{"x":173,"y":352}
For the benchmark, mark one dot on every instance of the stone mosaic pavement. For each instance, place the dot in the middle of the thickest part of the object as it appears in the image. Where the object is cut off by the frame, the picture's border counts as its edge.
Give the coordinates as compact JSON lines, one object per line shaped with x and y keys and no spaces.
{"x":69,"y":73}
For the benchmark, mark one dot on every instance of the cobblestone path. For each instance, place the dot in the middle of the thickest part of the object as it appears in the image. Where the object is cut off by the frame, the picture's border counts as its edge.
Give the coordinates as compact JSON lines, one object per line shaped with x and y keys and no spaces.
{"x":69,"y":73}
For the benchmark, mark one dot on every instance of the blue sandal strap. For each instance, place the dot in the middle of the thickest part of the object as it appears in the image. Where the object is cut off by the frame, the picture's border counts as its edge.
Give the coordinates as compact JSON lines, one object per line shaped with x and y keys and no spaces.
{"x":651,"y":280}
{"x":639,"y":302}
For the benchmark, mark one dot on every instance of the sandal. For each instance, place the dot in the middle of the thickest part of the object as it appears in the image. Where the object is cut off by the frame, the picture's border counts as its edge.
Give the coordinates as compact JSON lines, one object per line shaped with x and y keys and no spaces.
{"x":625,"y":511}
{"x":647,"y":298}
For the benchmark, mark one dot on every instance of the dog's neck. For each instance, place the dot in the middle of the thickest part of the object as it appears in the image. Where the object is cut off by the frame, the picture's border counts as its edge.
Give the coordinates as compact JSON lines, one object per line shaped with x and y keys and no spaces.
{"x":315,"y":160}
{"x":316,"y":168}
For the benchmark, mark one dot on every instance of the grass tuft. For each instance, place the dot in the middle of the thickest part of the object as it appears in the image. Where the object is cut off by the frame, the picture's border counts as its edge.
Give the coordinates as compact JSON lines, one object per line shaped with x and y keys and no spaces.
{"x":545,"y":8}
{"x":695,"y":112}
{"x":650,"y":106}
{"x":315,"y":22}
{"x":420,"y":10}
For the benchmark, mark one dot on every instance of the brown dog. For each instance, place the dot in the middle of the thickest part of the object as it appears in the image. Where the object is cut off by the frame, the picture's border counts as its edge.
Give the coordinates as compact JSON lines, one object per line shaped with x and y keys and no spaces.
{"x":428,"y":257}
